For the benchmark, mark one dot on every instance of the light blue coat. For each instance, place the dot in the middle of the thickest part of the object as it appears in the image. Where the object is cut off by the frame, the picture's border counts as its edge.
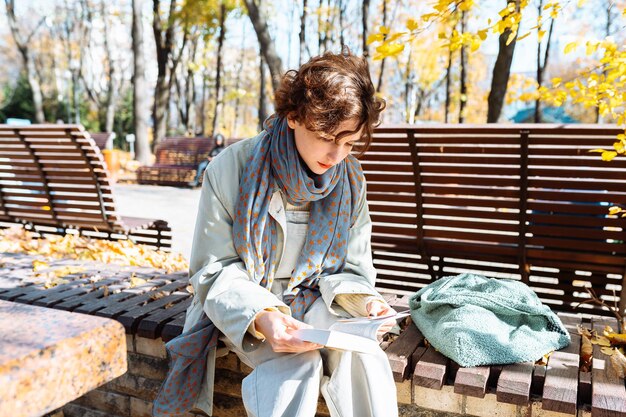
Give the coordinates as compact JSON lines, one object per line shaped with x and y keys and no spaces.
{"x":223,"y":288}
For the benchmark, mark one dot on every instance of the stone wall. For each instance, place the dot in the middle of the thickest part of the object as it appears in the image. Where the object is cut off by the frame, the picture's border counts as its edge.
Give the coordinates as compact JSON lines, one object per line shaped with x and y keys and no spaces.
{"x":131,"y":395}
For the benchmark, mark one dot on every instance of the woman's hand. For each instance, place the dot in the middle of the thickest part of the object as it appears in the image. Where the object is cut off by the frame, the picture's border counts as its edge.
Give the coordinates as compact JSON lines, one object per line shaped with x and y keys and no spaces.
{"x":376,"y":308}
{"x":275,"y":326}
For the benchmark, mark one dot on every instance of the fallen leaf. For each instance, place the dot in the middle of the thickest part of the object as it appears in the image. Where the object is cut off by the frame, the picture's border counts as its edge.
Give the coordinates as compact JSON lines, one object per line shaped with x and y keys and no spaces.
{"x":586,"y":352}
{"x":136,"y":281}
{"x":40,"y":265}
{"x":54,"y":282}
{"x":608,"y":351}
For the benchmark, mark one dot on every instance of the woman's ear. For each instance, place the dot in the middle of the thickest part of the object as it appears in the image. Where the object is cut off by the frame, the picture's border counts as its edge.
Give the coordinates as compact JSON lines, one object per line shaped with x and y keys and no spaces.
{"x":291,"y":122}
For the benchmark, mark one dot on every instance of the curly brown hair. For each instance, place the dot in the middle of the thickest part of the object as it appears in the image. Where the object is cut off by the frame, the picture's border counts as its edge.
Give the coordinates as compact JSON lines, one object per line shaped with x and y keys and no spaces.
{"x":328,"y":90}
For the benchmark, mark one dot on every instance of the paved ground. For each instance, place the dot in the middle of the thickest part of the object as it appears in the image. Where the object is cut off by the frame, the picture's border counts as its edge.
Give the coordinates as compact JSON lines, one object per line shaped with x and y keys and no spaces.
{"x":178,"y":206}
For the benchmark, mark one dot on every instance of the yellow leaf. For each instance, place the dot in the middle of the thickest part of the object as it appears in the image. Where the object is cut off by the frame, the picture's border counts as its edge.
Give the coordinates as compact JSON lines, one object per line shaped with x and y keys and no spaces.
{"x":608,"y":351}
{"x":616,"y":210}
{"x":608,"y":155}
{"x":54,"y":282}
{"x":375,"y":37}
{"x":540,"y":35}
{"x":581,"y":3}
{"x":619,"y":147}
{"x":591,"y":47}
{"x":601,"y":341}
{"x":597,"y":150}
{"x":395,"y":36}
{"x":384,"y":30}
{"x":136,"y":281}
{"x":428,"y":16}
{"x":390,"y":49}
{"x":617,"y":338}
{"x":411,"y":25}
{"x":39,"y":265}
{"x":556,"y":81}
{"x":482,"y":34}
{"x":511,"y":38}
{"x":523,"y":36}
{"x":570,"y":47}
{"x":46,"y":208}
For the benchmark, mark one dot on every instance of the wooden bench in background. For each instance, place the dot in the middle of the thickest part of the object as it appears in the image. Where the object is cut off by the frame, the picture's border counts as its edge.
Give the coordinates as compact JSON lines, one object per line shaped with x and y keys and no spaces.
{"x":520,"y":202}
{"x":177,"y":161}
{"x":53,"y":179}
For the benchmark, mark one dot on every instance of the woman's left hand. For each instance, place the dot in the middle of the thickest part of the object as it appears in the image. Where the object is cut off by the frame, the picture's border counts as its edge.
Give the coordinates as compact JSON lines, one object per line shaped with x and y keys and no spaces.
{"x":376,"y":308}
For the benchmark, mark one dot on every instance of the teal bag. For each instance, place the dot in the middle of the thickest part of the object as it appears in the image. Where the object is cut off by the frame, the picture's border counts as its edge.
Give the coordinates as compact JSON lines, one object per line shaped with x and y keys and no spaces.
{"x":475,"y":320}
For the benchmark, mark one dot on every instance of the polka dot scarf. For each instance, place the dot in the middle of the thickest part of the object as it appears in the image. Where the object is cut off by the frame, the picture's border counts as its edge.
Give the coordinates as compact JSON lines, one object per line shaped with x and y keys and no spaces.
{"x":275,"y":162}
{"x":187,"y":355}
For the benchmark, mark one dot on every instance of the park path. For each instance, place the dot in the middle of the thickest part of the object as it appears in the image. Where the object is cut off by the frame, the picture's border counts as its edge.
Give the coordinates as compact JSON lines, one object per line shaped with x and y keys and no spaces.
{"x":177,"y":206}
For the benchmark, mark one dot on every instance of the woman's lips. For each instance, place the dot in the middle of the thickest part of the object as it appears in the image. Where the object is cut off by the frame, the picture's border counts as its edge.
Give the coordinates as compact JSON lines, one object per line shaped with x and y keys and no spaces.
{"x":324,"y":165}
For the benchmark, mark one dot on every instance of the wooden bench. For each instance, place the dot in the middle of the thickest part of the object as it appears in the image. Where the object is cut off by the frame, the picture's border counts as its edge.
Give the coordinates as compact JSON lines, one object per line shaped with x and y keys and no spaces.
{"x":53,"y":179}
{"x":177,"y":161}
{"x":521,"y":202}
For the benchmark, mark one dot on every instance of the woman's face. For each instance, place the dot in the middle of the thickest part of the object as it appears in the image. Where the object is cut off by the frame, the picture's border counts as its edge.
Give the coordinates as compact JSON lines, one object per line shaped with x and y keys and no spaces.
{"x":320,"y":151}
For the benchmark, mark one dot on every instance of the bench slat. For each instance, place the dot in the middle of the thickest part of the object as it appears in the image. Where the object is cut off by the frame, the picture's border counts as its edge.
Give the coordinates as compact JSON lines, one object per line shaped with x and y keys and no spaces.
{"x":400,"y":351}
{"x":131,"y":318}
{"x":173,"y":328}
{"x":472,"y":381}
{"x":430,"y":371}
{"x":608,"y":396}
{"x":560,"y":391}
{"x":151,"y":325}
{"x":514,"y":383}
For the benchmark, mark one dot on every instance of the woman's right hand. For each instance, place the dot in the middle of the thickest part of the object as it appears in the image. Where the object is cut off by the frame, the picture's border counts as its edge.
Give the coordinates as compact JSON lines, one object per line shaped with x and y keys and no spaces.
{"x":275,"y":326}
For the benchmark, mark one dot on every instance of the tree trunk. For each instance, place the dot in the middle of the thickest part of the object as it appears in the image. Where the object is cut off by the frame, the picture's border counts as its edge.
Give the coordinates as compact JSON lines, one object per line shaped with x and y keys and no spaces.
{"x":35,"y":86}
{"x":268,"y":50}
{"x":262,"y":109}
{"x":218,"y":75}
{"x":27,"y":60}
{"x":365,"y":13}
{"x":541,"y":67}
{"x":607,"y":32}
{"x":501,"y":73}
{"x":112,"y":91}
{"x":234,"y":132}
{"x":407,"y":89}
{"x":379,"y":84}
{"x":205,"y":81}
{"x":342,"y":13}
{"x":446,"y":116}
{"x":302,"y":33}
{"x":141,"y":105}
{"x":164,"y":46}
{"x":463,"y":87}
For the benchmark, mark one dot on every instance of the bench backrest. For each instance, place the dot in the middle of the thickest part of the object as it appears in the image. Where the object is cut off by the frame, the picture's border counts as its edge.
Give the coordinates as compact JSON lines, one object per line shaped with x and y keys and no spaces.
{"x":526,"y":202}
{"x":54,"y":175}
{"x":183,"y":151}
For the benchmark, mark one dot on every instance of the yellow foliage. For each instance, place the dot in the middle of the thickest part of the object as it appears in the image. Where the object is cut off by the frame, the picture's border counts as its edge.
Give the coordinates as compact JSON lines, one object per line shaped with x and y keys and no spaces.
{"x":570,"y":47}
{"x":125,"y":252}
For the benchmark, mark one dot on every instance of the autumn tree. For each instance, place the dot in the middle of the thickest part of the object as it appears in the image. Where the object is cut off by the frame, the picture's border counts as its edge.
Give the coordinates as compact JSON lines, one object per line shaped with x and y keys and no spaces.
{"x":141,"y":104}
{"x":23,"y":42}
{"x":266,"y":44}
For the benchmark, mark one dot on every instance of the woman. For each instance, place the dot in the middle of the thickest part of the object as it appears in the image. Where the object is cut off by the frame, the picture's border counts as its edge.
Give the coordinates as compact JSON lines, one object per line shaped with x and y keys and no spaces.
{"x":282,"y":242}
